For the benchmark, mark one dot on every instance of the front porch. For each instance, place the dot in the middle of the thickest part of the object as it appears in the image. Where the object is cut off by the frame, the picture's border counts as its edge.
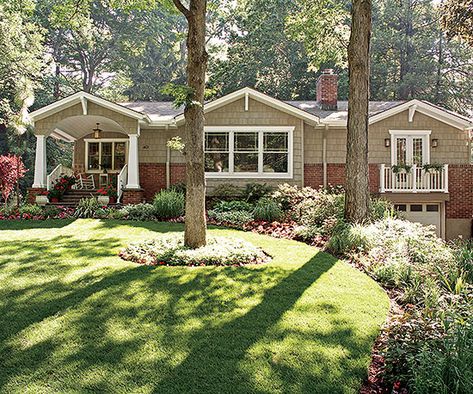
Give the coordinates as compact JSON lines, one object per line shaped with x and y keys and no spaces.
{"x":105,"y":137}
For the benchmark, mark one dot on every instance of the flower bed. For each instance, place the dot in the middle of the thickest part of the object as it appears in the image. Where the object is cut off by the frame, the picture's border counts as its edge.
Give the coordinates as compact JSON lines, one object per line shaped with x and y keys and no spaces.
{"x":170,"y":250}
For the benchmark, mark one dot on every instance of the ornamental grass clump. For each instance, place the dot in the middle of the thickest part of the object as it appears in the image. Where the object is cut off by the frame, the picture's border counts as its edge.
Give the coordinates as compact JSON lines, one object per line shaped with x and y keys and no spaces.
{"x":169,"y":204}
{"x":170,"y":250}
{"x":267,"y":210}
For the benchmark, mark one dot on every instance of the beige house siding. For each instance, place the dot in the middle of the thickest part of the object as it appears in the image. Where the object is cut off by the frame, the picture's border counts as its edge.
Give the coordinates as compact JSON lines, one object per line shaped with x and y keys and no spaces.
{"x":452,"y":146}
{"x":152,"y":142}
{"x":47,"y":125}
{"x":313,"y":144}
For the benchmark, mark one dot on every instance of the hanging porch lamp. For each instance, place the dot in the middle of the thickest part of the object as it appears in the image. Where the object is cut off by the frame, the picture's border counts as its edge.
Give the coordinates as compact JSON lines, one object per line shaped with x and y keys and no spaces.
{"x":97,"y":131}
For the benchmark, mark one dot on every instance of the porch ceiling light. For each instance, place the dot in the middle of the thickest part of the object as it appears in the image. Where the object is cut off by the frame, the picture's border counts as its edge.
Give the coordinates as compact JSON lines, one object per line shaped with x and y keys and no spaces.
{"x":97,"y":131}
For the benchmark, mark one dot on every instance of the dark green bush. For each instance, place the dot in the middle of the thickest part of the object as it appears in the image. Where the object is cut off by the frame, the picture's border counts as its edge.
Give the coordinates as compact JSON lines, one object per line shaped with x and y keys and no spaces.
{"x":226,"y":191}
{"x":169,"y":204}
{"x":179,"y":187}
{"x":267,"y":210}
{"x":50,"y":211}
{"x":255,"y":191}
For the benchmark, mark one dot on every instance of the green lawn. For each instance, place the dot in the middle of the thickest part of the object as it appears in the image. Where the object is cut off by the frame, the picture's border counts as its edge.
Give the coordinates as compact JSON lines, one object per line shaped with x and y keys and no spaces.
{"x":76,"y":318}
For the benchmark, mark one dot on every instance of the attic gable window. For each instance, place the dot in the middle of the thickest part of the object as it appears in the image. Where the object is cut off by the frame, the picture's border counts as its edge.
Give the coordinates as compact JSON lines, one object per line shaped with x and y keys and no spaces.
{"x":248,"y":152}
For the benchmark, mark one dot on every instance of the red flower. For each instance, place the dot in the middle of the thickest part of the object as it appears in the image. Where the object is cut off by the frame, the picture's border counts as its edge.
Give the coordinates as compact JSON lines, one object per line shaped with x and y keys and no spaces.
{"x":397,"y":385}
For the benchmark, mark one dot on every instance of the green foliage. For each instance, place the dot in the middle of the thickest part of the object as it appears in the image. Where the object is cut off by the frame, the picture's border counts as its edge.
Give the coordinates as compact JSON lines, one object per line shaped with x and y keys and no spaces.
{"x":51,"y":211}
{"x":179,"y":188}
{"x":169,"y":204}
{"x":235,"y":205}
{"x":141,"y":212}
{"x":234,"y":217}
{"x":183,"y":95}
{"x":170,"y":250}
{"x":225,"y":191}
{"x":87,"y":208}
{"x":260,"y":53}
{"x":30,"y":209}
{"x":254,"y":191}
{"x":267,"y":210}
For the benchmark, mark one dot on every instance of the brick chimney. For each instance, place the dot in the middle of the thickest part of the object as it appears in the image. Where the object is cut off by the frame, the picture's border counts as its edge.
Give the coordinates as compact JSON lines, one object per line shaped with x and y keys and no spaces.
{"x":327,"y":90}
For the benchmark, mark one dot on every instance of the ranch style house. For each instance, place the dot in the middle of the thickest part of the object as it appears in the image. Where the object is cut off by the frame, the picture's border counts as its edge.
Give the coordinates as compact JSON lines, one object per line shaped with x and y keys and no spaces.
{"x":420,"y":155}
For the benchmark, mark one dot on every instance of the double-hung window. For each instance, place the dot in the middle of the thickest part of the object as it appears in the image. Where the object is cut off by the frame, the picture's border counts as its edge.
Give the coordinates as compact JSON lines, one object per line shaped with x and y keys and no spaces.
{"x":105,"y":154}
{"x":248,"y":152}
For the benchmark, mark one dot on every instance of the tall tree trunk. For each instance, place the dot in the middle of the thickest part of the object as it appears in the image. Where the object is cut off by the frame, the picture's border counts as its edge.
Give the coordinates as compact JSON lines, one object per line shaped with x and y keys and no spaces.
{"x":195,"y":224}
{"x":357,"y":198}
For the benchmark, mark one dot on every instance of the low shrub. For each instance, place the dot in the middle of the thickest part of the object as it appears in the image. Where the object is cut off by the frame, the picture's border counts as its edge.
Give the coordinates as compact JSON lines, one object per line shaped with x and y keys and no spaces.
{"x":238,"y":218}
{"x":140,"y":212}
{"x":179,"y":188}
{"x":236,"y":205}
{"x":87,"y":208}
{"x":267,"y":210}
{"x":169,"y":249}
{"x":30,"y":210}
{"x":169,"y":204}
{"x":117,"y":214}
{"x":51,"y":211}
{"x":226,"y":191}
{"x":289,"y":196}
{"x":255,"y":191}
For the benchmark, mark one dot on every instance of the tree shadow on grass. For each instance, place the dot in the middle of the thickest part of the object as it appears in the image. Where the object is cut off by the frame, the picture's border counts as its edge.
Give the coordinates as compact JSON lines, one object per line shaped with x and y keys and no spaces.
{"x":32,"y":224}
{"x":202,"y":332}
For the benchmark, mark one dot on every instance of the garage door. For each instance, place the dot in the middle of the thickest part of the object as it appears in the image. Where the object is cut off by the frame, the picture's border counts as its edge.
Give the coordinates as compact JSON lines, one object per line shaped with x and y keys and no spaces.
{"x":426,"y":214}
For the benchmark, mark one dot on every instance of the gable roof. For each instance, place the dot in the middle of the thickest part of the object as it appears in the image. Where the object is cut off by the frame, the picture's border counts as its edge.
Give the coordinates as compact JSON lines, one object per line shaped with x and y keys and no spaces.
{"x":164,"y":113}
{"x":429,"y":109}
{"x":258,"y":96}
{"x":82,"y":98}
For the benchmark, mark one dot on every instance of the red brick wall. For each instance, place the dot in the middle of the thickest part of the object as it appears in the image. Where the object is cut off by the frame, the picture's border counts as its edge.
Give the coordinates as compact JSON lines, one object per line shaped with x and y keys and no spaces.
{"x":327,"y":90}
{"x":460,"y":187}
{"x":313,"y":175}
{"x":132,"y":196}
{"x":178,"y":173}
{"x":153,"y":177}
{"x":32,"y":193}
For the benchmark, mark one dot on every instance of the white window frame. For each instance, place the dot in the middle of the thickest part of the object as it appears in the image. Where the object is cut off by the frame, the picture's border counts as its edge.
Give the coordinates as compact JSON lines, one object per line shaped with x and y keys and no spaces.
{"x":252,"y":129}
{"x":100,"y":140}
{"x":409,"y":135}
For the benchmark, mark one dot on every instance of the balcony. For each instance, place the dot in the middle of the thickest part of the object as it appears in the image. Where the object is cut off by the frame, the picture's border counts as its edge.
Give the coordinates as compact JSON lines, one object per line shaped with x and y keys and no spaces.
{"x":416,"y":180}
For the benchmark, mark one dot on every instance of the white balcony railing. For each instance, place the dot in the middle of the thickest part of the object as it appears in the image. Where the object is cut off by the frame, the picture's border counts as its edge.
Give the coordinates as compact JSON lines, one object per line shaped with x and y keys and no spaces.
{"x":56,"y":174}
{"x":121,"y":182}
{"x":416,"y":180}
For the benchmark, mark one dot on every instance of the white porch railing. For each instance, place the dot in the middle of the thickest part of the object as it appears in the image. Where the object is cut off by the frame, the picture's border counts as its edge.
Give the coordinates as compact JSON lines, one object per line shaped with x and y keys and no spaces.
{"x":56,"y":174}
{"x":121,"y":182}
{"x":417,"y":180}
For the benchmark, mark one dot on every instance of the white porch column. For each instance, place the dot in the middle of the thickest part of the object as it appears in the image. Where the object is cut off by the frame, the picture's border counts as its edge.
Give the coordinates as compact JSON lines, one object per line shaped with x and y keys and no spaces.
{"x":133,"y":166}
{"x":40,"y":168}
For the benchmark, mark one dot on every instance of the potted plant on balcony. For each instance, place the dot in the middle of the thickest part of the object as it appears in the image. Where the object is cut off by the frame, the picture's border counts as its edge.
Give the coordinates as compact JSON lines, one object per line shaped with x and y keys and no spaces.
{"x":401,"y":168}
{"x":42,"y":198}
{"x":103,"y":197}
{"x":432,"y":168}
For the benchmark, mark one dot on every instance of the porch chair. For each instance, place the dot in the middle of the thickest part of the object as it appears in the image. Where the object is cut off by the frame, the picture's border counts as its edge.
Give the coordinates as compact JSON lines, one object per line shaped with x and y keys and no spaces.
{"x":86,"y":182}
